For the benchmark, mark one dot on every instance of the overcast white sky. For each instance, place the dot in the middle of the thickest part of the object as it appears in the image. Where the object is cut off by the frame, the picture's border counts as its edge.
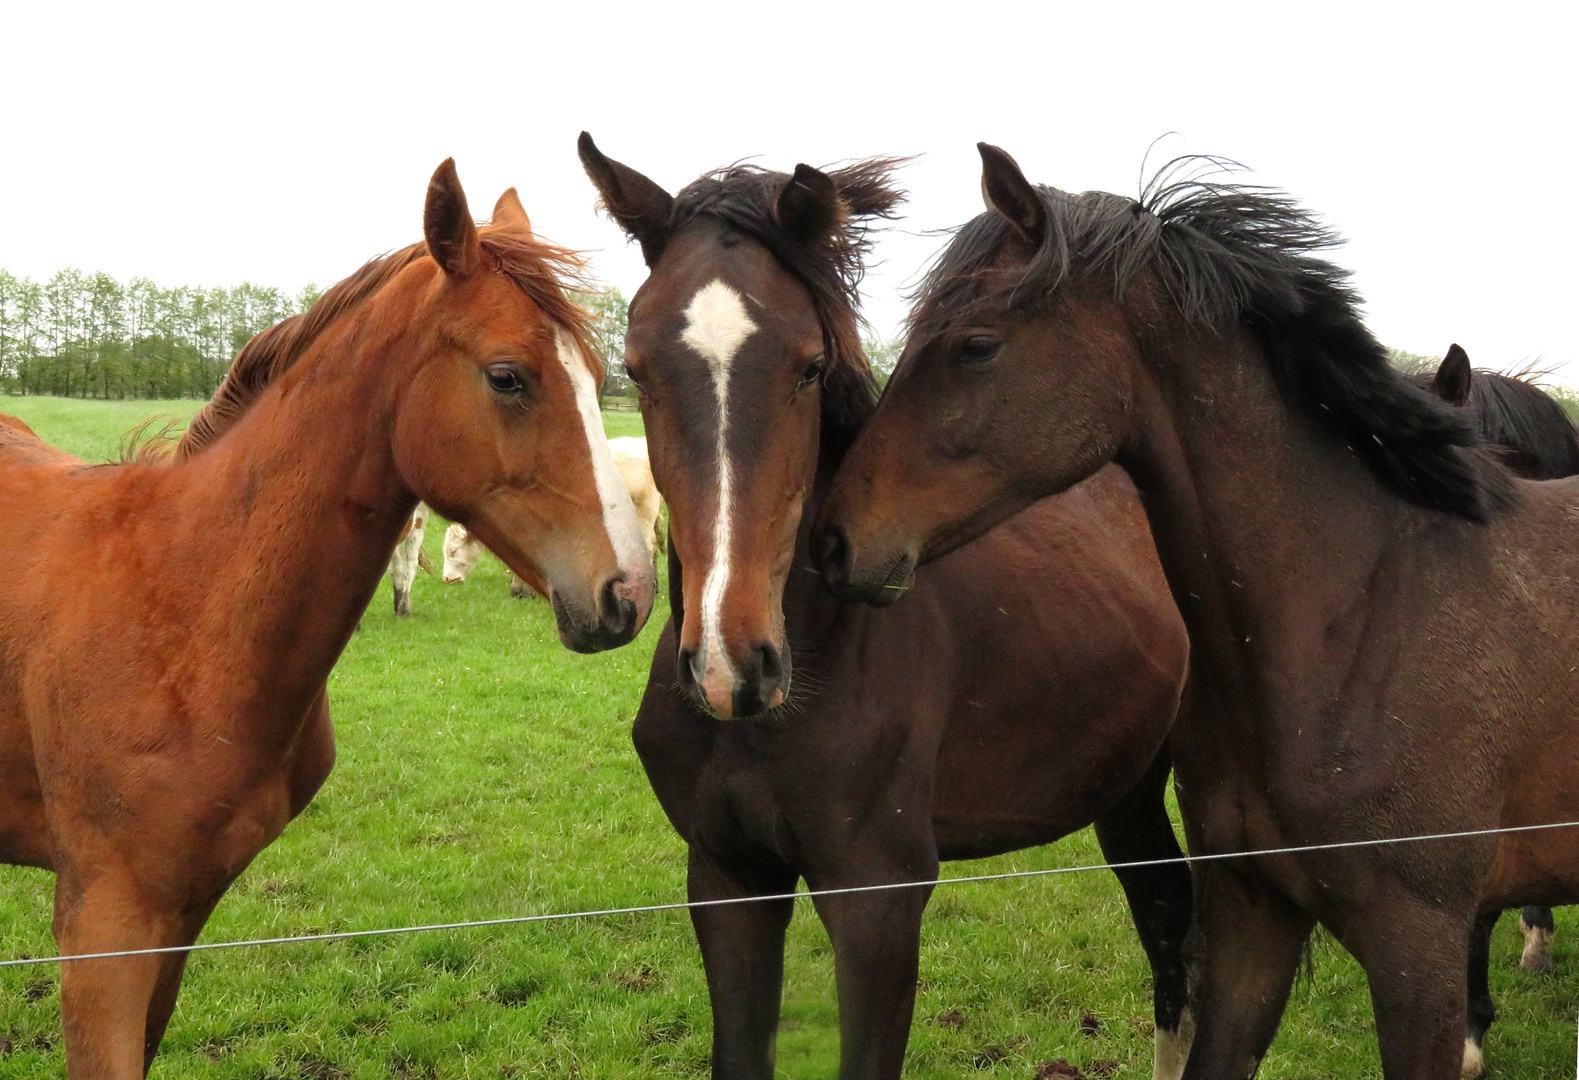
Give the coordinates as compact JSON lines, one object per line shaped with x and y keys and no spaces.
{"x":286,"y":142}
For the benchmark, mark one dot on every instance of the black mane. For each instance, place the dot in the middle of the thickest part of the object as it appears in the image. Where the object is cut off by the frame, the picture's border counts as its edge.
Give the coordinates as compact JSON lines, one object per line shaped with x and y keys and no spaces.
{"x":1233,"y":254}
{"x":1529,"y":428}
{"x":743,"y":196}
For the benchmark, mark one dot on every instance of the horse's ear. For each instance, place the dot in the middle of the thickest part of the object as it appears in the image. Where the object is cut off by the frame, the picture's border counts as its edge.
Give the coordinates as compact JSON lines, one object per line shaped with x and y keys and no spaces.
{"x":808,"y":205}
{"x":447,"y":224}
{"x":1453,"y":377}
{"x":1006,"y":190}
{"x":509,"y":211}
{"x":636,"y":204}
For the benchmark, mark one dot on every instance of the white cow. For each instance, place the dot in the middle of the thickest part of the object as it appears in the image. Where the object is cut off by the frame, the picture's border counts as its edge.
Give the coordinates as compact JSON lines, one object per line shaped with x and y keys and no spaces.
{"x":630,"y":457}
{"x":407,"y":557}
{"x":462,"y":550}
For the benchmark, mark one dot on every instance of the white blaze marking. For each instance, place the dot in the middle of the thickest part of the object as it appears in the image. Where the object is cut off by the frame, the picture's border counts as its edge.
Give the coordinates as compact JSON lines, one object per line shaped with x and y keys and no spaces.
{"x":619,"y":513}
{"x":716,"y":325}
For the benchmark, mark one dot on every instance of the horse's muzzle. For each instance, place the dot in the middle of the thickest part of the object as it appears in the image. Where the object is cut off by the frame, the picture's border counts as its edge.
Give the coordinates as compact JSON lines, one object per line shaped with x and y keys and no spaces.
{"x":848,"y":580}
{"x":757,"y":683}
{"x":617,"y":620}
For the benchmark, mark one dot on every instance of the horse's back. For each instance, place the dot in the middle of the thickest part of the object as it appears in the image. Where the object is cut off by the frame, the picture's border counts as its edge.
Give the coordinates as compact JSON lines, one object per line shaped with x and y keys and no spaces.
{"x":20,"y":445}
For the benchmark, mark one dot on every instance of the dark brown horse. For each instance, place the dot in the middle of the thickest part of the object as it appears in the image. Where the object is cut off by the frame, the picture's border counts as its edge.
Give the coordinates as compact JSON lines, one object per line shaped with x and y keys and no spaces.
{"x":930,"y":732}
{"x":167,"y":629}
{"x":1535,"y":439}
{"x":1383,"y":623}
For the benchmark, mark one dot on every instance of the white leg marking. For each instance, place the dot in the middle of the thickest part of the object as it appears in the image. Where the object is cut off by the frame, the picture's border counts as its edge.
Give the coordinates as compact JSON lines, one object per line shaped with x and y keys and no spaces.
{"x":619,"y":514}
{"x":716,"y":325}
{"x":1474,"y":1060}
{"x":1172,"y":1049}
{"x":1537,"y":955}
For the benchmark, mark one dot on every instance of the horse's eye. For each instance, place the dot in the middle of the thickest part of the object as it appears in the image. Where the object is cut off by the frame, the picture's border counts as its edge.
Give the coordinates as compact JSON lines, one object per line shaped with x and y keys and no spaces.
{"x":505,"y":379}
{"x":813,"y":371}
{"x":977,"y":350}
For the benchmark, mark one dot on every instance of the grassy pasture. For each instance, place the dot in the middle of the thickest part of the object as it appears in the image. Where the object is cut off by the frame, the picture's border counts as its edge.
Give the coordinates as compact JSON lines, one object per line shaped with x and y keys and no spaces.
{"x":486,"y":772}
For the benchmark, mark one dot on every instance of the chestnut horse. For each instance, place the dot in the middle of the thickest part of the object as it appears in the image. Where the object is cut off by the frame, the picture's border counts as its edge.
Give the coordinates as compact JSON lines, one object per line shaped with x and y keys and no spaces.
{"x":929,"y":732}
{"x":167,"y":630}
{"x":1383,"y":622}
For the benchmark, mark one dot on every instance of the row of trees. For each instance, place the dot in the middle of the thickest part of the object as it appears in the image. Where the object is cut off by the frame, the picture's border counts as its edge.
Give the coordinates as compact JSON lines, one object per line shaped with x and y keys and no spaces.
{"x":89,"y":335}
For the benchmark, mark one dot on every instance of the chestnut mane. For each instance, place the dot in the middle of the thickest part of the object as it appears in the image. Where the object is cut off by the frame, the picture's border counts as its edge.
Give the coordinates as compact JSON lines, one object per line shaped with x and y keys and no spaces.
{"x":542,"y":270}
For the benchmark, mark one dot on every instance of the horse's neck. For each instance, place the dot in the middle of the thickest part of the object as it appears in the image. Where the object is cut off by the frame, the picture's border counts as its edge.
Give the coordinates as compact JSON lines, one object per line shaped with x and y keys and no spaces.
{"x":301,"y":507}
{"x":1270,"y":530}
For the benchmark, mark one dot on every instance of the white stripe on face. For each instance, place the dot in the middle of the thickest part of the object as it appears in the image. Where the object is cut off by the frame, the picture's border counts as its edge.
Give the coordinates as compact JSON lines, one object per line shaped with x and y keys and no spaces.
{"x":619,"y":513}
{"x":716,"y":325}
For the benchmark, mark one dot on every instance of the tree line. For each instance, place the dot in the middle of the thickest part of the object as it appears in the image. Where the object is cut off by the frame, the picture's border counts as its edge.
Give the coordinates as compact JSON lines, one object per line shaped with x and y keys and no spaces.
{"x":92,"y":336}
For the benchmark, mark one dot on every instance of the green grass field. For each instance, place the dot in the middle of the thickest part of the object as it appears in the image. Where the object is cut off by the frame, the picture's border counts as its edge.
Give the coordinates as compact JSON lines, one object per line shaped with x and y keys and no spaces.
{"x":486,"y":772}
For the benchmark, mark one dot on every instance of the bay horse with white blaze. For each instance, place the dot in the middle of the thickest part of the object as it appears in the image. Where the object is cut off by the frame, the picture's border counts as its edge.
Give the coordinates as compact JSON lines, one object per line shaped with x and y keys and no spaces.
{"x":1021,"y":693}
{"x":167,"y":629}
{"x":1382,"y":620}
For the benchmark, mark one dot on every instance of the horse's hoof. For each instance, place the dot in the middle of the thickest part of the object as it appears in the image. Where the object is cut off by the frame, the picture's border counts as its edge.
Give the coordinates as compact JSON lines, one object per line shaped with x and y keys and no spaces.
{"x":403,"y":604}
{"x":1474,"y":1061}
{"x":1537,"y":956}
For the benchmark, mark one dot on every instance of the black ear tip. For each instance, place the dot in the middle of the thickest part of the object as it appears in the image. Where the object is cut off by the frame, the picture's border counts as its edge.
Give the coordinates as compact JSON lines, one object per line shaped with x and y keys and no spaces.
{"x":585,"y":144}
{"x":996,"y":155}
{"x":1456,"y":351}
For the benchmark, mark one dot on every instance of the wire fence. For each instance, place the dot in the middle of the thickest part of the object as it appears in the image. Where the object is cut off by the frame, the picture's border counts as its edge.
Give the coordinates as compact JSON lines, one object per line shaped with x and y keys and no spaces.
{"x":685,"y":905}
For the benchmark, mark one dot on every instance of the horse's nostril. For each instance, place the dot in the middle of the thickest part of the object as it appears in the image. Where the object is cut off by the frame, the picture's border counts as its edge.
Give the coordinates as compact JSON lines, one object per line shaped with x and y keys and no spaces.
{"x":688,"y":673}
{"x":772,"y":663}
{"x":833,"y":553}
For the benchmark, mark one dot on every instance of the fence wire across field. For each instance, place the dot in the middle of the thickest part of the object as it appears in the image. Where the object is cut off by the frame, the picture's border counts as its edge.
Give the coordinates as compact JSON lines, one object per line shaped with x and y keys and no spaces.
{"x":685,"y":905}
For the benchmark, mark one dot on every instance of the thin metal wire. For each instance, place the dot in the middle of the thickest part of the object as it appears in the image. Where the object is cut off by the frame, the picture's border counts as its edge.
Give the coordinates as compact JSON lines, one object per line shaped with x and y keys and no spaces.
{"x":344,"y":935}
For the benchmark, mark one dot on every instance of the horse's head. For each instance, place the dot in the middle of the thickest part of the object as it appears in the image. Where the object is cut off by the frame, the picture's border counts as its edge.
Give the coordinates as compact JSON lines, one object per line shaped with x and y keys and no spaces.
{"x":961,"y":439}
{"x":496,"y":422}
{"x":743,"y":345}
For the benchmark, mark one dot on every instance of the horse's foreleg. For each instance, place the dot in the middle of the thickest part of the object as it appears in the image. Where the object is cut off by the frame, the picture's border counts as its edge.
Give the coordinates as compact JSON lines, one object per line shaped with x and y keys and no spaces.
{"x":162,"y":1003}
{"x":1482,"y":1011}
{"x":1249,"y":939}
{"x":105,"y":1005}
{"x":1160,"y":901}
{"x":876,"y":948}
{"x":743,"y":955}
{"x":1413,"y":954}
